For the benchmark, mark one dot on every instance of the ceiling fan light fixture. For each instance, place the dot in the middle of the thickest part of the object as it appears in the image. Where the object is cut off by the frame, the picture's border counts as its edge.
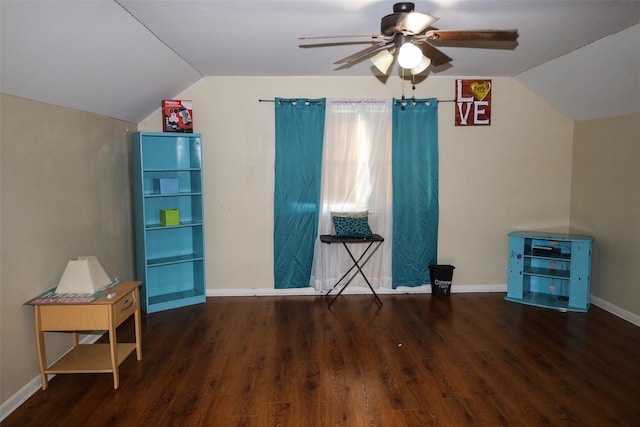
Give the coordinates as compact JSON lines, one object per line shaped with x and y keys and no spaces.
{"x":383,"y":60}
{"x":423,"y":65}
{"x":405,"y":36}
{"x":409,"y":55}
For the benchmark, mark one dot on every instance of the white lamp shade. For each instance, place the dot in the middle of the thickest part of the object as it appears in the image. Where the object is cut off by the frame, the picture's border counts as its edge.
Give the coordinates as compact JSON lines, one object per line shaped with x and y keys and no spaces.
{"x":382,"y":61}
{"x":409,"y":56}
{"x":83,"y":275}
{"x":423,"y":65}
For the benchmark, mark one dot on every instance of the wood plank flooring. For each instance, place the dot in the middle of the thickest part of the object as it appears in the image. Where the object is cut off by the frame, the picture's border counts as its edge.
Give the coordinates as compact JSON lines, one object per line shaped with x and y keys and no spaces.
{"x":419,"y":360}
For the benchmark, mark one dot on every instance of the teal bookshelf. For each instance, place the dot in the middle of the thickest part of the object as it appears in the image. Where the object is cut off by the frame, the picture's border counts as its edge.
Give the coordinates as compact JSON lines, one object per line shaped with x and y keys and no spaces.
{"x":167,"y":174}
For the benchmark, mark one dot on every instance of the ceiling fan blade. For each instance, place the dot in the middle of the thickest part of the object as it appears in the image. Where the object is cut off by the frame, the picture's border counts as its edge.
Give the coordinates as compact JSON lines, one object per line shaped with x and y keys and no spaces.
{"x":337,"y":43}
{"x":437,"y":56}
{"x":472,"y":35}
{"x":364,"y":36}
{"x":364,"y":52}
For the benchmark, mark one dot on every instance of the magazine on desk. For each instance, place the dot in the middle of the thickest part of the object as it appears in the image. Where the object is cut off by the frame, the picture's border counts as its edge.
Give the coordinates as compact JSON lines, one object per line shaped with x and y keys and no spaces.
{"x":51,"y":297}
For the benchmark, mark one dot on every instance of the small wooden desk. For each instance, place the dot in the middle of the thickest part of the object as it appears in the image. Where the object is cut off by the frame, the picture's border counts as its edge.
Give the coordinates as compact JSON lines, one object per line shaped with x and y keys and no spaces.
{"x":103,"y":313}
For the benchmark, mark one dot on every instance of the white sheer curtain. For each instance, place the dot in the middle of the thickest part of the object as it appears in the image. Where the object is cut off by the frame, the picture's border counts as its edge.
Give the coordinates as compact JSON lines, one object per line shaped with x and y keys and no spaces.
{"x":356,"y":176}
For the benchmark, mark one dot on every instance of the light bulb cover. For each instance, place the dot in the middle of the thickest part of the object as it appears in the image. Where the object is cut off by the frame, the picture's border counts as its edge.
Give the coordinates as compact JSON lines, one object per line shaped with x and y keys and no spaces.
{"x":423,"y":65}
{"x":409,"y":55}
{"x":383,"y":60}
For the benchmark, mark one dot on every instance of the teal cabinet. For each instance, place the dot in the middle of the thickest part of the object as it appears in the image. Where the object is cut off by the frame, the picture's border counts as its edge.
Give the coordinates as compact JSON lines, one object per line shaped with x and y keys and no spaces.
{"x":167,"y":177}
{"x":550,"y":270}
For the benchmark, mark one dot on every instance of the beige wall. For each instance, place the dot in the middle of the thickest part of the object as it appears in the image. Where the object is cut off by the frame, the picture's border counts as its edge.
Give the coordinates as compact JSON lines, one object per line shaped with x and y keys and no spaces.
{"x":515,"y":174}
{"x":65,"y":192}
{"x":605,"y":202}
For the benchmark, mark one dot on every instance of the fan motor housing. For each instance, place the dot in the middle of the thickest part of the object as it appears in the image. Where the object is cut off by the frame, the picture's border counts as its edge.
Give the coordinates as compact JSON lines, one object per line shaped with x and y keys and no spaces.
{"x":392,"y":23}
{"x":405,"y":7}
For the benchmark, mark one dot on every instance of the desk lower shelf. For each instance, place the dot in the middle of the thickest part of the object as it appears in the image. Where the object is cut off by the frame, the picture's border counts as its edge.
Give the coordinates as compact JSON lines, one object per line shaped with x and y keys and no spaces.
{"x":90,"y":358}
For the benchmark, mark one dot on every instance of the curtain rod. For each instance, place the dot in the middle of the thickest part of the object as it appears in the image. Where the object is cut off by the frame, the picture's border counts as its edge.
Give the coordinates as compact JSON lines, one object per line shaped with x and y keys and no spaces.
{"x":406,"y":99}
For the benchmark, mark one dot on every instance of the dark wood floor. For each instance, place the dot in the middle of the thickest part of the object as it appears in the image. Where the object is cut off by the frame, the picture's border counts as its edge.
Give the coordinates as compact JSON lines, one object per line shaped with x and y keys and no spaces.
{"x":467,"y":359}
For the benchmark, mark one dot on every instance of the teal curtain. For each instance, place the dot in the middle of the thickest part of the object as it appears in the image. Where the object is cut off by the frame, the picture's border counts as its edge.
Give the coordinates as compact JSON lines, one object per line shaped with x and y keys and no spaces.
{"x":298,"y":163}
{"x":415,"y":190}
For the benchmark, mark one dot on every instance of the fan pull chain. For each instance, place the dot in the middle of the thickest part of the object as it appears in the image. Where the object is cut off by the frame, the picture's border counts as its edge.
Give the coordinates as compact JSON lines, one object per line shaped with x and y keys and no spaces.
{"x":413,"y":86}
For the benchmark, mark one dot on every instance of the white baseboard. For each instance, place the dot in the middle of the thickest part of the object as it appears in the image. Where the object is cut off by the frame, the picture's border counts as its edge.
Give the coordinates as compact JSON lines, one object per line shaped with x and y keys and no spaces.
{"x":35,"y":384}
{"x":14,"y":402}
{"x":351,"y":290}
{"x":615,"y":310}
{"x":425,"y":289}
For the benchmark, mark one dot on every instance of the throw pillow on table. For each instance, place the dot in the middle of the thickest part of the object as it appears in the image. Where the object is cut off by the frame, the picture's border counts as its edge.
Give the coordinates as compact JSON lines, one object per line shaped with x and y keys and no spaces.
{"x":351,"y":224}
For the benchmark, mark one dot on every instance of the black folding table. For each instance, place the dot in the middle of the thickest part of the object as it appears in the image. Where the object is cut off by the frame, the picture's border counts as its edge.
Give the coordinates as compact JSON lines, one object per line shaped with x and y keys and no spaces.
{"x":374,"y":241}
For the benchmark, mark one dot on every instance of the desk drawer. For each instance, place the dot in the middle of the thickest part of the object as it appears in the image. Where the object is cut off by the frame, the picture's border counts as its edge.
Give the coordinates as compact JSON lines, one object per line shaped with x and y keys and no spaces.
{"x":126,"y":306}
{"x":71,"y":317}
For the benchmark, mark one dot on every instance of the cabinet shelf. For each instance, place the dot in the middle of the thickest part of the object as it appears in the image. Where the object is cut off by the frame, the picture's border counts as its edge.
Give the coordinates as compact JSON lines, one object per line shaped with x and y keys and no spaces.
{"x":170,"y":259}
{"x":151,"y":195}
{"x":172,"y":170}
{"x":168,"y":300}
{"x":559,"y":280}
{"x":547,"y":272}
{"x":158,"y":226}
{"x":562,"y":257}
{"x":539,"y":299}
{"x":190,"y":208}
{"x":173,"y":260}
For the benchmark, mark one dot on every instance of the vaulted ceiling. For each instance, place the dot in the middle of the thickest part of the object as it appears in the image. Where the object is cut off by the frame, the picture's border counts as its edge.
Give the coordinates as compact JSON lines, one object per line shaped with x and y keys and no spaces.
{"x":119,"y":57}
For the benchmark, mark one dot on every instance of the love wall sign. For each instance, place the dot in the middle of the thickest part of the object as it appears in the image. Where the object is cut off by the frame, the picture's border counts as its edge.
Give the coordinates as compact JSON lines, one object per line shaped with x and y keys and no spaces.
{"x":473,"y":102}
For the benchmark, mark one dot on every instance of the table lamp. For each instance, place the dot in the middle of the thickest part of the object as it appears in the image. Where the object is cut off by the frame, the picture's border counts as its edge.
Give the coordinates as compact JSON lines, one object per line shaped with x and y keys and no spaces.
{"x":83,"y":275}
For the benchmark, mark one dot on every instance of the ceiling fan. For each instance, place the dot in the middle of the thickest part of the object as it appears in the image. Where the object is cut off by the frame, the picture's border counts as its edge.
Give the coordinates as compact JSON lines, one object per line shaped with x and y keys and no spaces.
{"x":407,"y":35}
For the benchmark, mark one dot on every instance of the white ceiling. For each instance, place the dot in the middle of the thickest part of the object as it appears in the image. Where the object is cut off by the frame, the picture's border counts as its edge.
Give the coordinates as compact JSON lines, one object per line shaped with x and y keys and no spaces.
{"x":120,"y":57}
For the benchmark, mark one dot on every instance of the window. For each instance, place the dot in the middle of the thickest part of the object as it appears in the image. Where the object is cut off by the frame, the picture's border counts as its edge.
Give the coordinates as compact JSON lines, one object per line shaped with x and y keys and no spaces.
{"x":356,"y":176}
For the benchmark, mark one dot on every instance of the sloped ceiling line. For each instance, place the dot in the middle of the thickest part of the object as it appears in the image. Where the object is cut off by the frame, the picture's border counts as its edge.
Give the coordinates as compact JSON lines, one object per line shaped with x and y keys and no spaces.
{"x":156,"y":36}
